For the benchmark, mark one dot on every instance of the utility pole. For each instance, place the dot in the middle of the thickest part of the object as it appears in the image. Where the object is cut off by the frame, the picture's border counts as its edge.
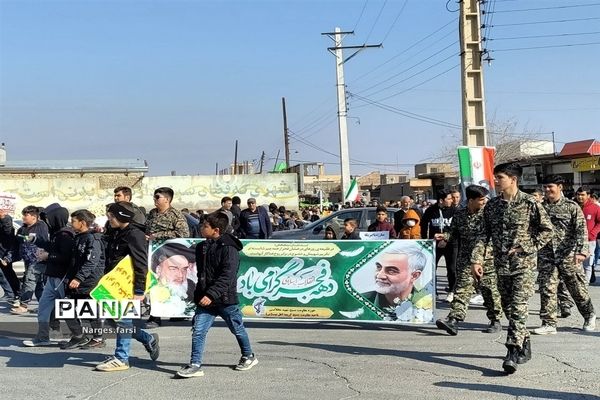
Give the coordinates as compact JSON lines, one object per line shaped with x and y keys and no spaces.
{"x":216,"y":168}
{"x":337,"y":51}
{"x":235,"y":159}
{"x":286,"y":135}
{"x":262,"y":162}
{"x":473,"y":100}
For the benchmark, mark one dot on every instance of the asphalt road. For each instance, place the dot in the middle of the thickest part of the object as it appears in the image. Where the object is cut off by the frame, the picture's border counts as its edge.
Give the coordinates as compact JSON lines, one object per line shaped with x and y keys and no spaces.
{"x":309,"y":360}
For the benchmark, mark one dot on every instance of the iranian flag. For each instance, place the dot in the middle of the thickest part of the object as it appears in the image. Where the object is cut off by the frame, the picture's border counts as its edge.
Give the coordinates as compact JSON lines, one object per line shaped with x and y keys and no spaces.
{"x":476,"y":166}
{"x":352,"y":194}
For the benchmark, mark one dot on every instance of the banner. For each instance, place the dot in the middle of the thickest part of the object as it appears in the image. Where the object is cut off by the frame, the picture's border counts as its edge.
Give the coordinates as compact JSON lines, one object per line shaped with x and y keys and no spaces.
{"x":118,"y":283}
{"x":390,"y":280}
{"x":8,"y":203}
{"x":477,"y":167}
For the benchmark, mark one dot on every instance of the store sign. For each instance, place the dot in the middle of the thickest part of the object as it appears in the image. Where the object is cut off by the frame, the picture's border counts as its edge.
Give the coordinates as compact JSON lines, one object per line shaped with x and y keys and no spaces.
{"x":586,"y":164}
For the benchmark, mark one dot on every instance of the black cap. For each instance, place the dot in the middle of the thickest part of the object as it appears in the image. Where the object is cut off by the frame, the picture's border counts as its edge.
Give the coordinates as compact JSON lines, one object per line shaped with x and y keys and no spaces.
{"x":123,"y":211}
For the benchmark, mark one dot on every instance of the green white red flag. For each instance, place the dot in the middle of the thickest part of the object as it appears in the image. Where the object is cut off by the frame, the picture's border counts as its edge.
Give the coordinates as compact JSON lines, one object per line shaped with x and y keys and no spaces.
{"x":352,"y":194}
{"x":476,"y":166}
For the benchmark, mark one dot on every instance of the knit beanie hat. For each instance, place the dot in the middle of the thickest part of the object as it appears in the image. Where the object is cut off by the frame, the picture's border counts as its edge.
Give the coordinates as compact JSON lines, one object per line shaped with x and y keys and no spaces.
{"x":123,"y":211}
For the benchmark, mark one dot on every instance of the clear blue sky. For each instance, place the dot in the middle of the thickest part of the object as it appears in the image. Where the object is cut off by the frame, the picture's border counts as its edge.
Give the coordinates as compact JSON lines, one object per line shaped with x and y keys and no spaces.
{"x":176,"y":82}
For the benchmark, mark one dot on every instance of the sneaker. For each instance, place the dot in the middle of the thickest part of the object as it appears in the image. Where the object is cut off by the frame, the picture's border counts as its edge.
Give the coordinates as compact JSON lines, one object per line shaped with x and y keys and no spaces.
{"x":494,"y":327}
{"x":190,"y":371}
{"x":153,"y":348}
{"x":19,"y":310}
{"x":16,"y":302}
{"x":94,"y":344}
{"x":545,"y":330}
{"x":476,"y":300}
{"x":449,"y":297}
{"x":449,"y":325}
{"x":35,"y":342}
{"x":590,"y":323}
{"x":152,"y":325}
{"x":246,"y":362}
{"x":75,"y":343}
{"x":112,"y":364}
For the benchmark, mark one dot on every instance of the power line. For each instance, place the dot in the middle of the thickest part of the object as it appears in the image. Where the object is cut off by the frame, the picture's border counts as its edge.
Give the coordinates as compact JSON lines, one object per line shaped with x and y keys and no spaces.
{"x":548,"y":47}
{"x":413,"y":75}
{"x":546,"y":36}
{"x":407,"y":114}
{"x":376,"y":20}
{"x":421,"y":83}
{"x":395,"y":20}
{"x":405,"y":50}
{"x":555,"y":21}
{"x":548,"y":8}
{"x":361,"y":15}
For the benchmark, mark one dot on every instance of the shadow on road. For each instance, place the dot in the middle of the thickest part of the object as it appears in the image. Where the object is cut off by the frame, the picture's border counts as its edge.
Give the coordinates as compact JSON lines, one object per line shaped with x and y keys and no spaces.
{"x":517,"y":391}
{"x":424,"y":356}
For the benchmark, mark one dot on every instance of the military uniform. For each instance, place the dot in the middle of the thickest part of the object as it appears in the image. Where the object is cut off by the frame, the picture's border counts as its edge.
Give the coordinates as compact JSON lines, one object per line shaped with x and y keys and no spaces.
{"x":168,"y":225}
{"x":519,"y":223}
{"x":464,"y":232}
{"x":557,"y":258}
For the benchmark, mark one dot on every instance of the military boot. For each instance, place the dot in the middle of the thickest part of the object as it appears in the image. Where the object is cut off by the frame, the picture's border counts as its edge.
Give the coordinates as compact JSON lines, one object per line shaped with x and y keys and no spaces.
{"x":449,"y":324}
{"x":510,"y":361}
{"x":525,"y":353}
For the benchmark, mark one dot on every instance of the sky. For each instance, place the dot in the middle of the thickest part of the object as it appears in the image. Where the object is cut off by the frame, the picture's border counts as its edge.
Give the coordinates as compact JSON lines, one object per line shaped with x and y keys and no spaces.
{"x":176,"y":83}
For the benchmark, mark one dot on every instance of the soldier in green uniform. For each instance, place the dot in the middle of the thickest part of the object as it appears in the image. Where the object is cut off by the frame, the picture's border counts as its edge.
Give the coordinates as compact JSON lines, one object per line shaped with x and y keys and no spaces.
{"x":518,"y":227}
{"x":563,"y":257}
{"x":463,"y":233}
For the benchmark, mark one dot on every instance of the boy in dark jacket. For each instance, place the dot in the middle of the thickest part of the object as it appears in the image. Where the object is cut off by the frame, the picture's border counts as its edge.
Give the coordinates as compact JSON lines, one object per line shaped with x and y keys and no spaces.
{"x":129,"y":240}
{"x":350,"y":229}
{"x":86,"y":270}
{"x":32,"y":230}
{"x":56,"y":253}
{"x":218,"y":261}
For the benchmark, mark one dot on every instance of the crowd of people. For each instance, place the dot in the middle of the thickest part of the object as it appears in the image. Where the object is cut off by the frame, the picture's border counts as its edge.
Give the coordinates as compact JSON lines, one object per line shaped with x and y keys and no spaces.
{"x":492,"y":247}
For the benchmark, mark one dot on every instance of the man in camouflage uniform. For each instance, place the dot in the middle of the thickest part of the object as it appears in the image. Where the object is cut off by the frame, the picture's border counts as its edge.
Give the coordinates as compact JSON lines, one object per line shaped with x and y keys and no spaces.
{"x":164,"y":222}
{"x":518,"y":227}
{"x":464,"y":230}
{"x":563,"y":257}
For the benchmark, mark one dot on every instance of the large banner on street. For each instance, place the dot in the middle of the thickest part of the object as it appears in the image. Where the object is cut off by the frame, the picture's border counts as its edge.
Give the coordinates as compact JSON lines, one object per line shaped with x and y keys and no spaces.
{"x":388,"y":280}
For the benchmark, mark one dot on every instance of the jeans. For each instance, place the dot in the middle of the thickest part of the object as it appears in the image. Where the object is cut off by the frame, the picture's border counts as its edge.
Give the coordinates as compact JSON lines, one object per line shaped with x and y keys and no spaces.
{"x":54,"y":289}
{"x":33,"y":282}
{"x":11,"y":276}
{"x":124,"y":339}
{"x":204,"y":319}
{"x":588,"y":263}
{"x":5,"y":285}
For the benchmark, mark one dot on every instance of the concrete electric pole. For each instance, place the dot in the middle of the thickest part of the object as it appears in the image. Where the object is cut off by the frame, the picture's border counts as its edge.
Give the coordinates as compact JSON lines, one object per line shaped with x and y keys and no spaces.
{"x":473,"y":100}
{"x":286,"y":135}
{"x":337,"y":51}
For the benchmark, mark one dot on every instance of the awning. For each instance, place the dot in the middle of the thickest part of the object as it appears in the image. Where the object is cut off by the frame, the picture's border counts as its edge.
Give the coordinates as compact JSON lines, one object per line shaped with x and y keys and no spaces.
{"x":582,"y":148}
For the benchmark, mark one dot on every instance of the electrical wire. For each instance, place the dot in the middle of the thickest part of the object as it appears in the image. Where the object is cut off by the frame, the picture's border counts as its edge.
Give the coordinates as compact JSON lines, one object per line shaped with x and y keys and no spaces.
{"x":376,"y":20}
{"x":404,"y":51}
{"x":394,"y":23}
{"x":555,"y":21}
{"x":549,"y":8}
{"x":546,"y":36}
{"x":548,"y":47}
{"x":406,"y":113}
{"x":361,"y":15}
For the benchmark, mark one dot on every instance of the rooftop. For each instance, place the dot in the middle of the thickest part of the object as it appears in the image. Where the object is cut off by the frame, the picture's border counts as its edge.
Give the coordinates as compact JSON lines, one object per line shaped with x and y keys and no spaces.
{"x":99,"y":165}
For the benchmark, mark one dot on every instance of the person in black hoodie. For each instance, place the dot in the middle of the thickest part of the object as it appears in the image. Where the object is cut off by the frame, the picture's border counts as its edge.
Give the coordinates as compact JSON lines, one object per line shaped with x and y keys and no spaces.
{"x":437,"y":219}
{"x":129,"y":240}
{"x":56,"y":253}
{"x":26,"y":249}
{"x":218,"y":261}
{"x":83,"y":276}
{"x":11,"y":285}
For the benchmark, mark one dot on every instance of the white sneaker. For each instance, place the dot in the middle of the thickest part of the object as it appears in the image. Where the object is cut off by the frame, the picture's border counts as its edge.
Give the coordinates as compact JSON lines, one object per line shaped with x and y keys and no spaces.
{"x":450,"y":297}
{"x":590,"y":324}
{"x":476,"y":300}
{"x":545,"y":330}
{"x":37,"y":343}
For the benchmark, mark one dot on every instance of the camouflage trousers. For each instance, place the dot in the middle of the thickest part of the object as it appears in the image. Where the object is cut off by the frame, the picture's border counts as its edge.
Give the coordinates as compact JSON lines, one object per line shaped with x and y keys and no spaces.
{"x":575,"y":281}
{"x":465,"y":287}
{"x":515,"y":292}
{"x":564,"y":298}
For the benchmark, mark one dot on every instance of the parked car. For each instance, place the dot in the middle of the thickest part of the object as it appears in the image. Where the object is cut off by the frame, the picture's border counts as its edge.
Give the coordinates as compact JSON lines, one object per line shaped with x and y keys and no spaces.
{"x":316,"y":230}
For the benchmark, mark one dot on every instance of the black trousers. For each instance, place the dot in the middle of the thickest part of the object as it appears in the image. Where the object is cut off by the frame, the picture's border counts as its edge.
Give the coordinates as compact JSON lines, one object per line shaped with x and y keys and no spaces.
{"x":11,"y":277}
{"x":449,"y":253}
